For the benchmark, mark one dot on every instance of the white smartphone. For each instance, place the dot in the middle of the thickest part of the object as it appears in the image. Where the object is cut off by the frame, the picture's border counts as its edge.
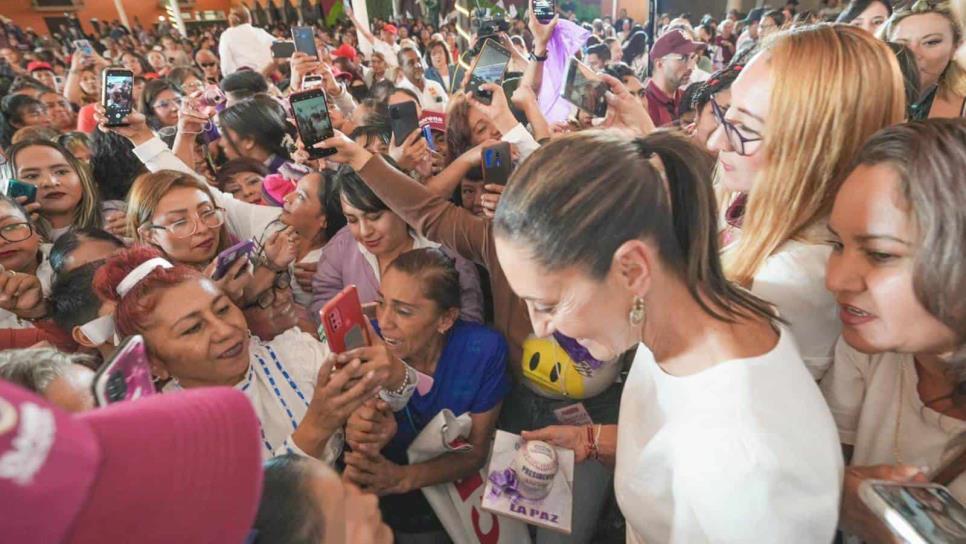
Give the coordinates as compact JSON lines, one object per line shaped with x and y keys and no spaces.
{"x":917,"y":513}
{"x":311,"y":81}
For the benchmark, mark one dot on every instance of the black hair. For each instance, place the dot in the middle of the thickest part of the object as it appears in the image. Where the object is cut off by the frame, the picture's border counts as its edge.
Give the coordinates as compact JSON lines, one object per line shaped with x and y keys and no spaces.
{"x":11,"y":109}
{"x":380,"y":130}
{"x":619,"y":70}
{"x":436,"y":271}
{"x":775,"y":15}
{"x":114,"y":164}
{"x":237,"y":166}
{"x":146,"y":67}
{"x":329,"y":199}
{"x":178,"y":75}
{"x":856,"y":7}
{"x":72,"y":300}
{"x":287,"y":512}
{"x":243,"y":84}
{"x":354,"y":190}
{"x":27,"y":82}
{"x":68,"y":243}
{"x":719,"y":81}
{"x":601,"y":50}
{"x":687,"y":98}
{"x":381,"y":90}
{"x":635,"y":46}
{"x":260,"y":118}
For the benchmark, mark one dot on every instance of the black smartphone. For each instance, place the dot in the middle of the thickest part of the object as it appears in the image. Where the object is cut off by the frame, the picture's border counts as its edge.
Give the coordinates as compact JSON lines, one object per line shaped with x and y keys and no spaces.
{"x":14,"y":188}
{"x":584,"y":88}
{"x":543,"y":10}
{"x":497,"y":163}
{"x":283,"y":49}
{"x":304,"y":38}
{"x":117,"y":95}
{"x":403,"y":120}
{"x":312,"y":119}
{"x":490,"y":66}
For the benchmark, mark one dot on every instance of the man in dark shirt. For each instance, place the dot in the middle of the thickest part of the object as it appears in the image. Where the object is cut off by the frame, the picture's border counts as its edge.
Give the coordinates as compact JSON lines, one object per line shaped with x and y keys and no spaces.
{"x":673,"y":58}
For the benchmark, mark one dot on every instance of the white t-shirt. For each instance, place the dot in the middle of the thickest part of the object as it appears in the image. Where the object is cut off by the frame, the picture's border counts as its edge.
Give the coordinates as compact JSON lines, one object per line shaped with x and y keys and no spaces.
{"x":244,"y":46}
{"x":745,"y":451}
{"x":863,"y":393}
{"x":302,"y":297}
{"x":390,"y":52}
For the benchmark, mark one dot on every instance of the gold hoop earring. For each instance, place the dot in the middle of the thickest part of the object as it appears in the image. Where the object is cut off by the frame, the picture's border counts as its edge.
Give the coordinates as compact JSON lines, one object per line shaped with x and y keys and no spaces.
{"x":638,"y":312}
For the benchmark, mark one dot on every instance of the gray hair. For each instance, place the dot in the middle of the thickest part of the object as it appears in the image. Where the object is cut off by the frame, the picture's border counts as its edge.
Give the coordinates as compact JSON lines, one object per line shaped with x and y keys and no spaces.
{"x":36,"y":368}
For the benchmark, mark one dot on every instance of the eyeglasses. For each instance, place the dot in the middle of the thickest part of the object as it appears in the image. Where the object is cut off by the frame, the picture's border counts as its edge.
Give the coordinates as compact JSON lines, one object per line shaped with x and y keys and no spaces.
{"x":184,"y":228}
{"x":282,"y":282}
{"x":171,"y":103}
{"x":16,"y":232}
{"x":736,"y":139}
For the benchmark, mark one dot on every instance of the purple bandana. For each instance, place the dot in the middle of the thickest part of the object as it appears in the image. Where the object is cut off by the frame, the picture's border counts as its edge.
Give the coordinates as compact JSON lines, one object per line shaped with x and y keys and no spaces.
{"x":505,"y":483}
{"x":577,"y":352}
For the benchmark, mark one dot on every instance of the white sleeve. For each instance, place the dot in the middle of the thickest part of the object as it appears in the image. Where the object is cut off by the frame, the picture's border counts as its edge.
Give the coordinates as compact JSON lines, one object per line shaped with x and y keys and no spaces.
{"x":246,"y":221}
{"x":844,"y":389}
{"x":520,"y":137}
{"x":793,"y":279}
{"x":344,"y":102}
{"x":225,"y":57}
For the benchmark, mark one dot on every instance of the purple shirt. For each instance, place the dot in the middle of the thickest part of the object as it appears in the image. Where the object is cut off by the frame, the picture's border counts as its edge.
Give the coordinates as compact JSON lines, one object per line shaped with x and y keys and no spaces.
{"x":343,"y":263}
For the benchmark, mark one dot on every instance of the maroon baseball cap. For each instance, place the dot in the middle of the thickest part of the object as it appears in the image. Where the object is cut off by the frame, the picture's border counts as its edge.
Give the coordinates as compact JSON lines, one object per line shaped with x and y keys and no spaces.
{"x":433,"y":119}
{"x":673,"y":42}
{"x":184,"y":467}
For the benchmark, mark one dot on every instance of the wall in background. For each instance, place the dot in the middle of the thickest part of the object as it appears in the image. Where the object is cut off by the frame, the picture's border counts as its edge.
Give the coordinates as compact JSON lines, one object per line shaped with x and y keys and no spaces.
{"x":147,"y":11}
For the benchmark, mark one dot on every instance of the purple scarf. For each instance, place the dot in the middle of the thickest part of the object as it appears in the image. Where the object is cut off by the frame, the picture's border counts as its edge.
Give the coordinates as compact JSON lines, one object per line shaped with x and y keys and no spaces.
{"x":566,"y":40}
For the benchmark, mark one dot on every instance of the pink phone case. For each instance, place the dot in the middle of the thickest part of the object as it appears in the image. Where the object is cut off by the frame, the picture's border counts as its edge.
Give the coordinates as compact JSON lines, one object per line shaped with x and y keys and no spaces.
{"x":126,"y":376}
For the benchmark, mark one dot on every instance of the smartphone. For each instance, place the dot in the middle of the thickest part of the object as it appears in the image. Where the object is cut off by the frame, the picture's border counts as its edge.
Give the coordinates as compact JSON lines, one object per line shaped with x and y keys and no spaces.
{"x":84,"y":47}
{"x":403,"y":120}
{"x":428,"y":136}
{"x":918,"y":513}
{"x":117,"y":95}
{"x":584,"y":88}
{"x":312,"y":120}
{"x":311,"y":81}
{"x":283,"y":49}
{"x":304,"y":38}
{"x":497,"y":163}
{"x":344,"y":323}
{"x":126,"y":376}
{"x":230,"y":256}
{"x":489,"y":67}
{"x":543,"y":10}
{"x":14,"y":188}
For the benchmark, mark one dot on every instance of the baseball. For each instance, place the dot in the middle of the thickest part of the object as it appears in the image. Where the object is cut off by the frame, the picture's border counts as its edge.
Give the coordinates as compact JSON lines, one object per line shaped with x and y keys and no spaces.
{"x":535,"y":466}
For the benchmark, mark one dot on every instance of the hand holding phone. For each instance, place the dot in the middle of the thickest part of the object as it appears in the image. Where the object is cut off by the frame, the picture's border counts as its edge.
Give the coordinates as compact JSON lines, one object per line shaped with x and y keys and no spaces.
{"x":489,"y":67}
{"x":312,"y":120}
{"x":16,"y":188}
{"x":404,"y":120}
{"x":585,"y":89}
{"x":543,"y":10}
{"x":497,"y":163}
{"x":117,"y":95}
{"x":228,"y":257}
{"x":126,"y":376}
{"x":919,"y":513}
{"x":304,"y":38}
{"x":282,"y":49}
{"x":343,"y":322}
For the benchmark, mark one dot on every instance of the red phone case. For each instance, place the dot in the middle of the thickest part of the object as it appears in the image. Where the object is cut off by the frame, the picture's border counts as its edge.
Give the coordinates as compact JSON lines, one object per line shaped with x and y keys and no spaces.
{"x":343,"y":321}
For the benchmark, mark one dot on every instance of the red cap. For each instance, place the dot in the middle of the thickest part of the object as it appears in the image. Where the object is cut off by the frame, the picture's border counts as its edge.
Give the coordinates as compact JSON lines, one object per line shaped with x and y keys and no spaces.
{"x":36,"y":65}
{"x":345,"y":51}
{"x":390,"y":28}
{"x":184,"y":467}
{"x":673,"y":42}
{"x":433,"y":119}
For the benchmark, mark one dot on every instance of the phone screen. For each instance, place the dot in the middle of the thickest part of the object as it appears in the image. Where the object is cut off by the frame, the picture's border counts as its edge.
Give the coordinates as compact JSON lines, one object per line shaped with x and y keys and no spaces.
{"x":490,"y":66}
{"x":118,"y":95}
{"x":312,"y":119}
{"x":85,"y":47}
{"x":304,"y":39}
{"x":931,"y":510}
{"x":127,"y":376}
{"x":543,"y":10}
{"x":584,"y":89}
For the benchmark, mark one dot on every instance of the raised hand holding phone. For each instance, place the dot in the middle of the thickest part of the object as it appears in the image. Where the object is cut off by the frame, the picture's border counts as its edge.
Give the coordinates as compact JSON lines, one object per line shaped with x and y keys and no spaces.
{"x":346,"y":151}
{"x":126,"y":376}
{"x":625,"y":110}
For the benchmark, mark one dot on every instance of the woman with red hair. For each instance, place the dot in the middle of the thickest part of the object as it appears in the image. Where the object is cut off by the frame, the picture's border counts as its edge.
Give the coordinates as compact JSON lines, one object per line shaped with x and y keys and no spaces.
{"x":197,"y":337}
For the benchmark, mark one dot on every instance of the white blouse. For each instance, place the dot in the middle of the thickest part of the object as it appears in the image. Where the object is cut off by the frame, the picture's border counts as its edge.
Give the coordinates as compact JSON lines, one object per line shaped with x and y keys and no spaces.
{"x":869,"y":393}
{"x":744,"y":451}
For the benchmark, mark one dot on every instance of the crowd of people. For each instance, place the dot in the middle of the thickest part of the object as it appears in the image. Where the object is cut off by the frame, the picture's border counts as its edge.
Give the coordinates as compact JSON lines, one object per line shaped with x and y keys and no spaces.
{"x":748,"y":276}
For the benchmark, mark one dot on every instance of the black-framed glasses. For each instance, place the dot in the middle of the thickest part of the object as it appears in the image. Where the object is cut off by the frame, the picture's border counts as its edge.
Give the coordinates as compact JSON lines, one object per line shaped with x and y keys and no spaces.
{"x":265,"y":300}
{"x":183,"y":228}
{"x":16,"y":232}
{"x":736,"y":139}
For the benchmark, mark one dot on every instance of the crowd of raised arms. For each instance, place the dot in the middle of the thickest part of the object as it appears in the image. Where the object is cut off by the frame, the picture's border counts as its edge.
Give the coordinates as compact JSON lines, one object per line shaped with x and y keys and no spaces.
{"x":740,"y":257}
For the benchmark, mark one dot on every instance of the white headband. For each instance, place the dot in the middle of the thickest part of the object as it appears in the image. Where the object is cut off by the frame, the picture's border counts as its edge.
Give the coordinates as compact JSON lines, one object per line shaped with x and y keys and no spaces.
{"x":140,"y":272}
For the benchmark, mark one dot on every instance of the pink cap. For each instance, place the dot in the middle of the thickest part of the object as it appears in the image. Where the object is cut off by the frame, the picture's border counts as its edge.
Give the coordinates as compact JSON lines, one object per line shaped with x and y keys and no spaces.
{"x":390,"y":28}
{"x":36,"y":65}
{"x":184,"y":467}
{"x":274,"y":189}
{"x":433,"y":119}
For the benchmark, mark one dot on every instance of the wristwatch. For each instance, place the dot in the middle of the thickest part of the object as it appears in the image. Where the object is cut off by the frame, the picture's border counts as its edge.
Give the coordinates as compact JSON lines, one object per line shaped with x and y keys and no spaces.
{"x":534,"y":57}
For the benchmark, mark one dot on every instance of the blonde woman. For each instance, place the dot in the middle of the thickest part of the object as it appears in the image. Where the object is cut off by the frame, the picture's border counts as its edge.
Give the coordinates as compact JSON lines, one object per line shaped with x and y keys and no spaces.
{"x":933,"y":34}
{"x":799,"y":112}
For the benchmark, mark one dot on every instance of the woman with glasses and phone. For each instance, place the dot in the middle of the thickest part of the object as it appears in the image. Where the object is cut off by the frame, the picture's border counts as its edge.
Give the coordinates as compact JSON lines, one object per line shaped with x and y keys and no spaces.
{"x":784,"y":146}
{"x":66,"y":193}
{"x":196,"y":336}
{"x":896,"y":270}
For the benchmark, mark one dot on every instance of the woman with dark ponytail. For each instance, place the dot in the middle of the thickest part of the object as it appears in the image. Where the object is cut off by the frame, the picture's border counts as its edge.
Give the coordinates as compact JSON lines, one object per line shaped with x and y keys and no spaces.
{"x":897,"y":387}
{"x":720,"y":420}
